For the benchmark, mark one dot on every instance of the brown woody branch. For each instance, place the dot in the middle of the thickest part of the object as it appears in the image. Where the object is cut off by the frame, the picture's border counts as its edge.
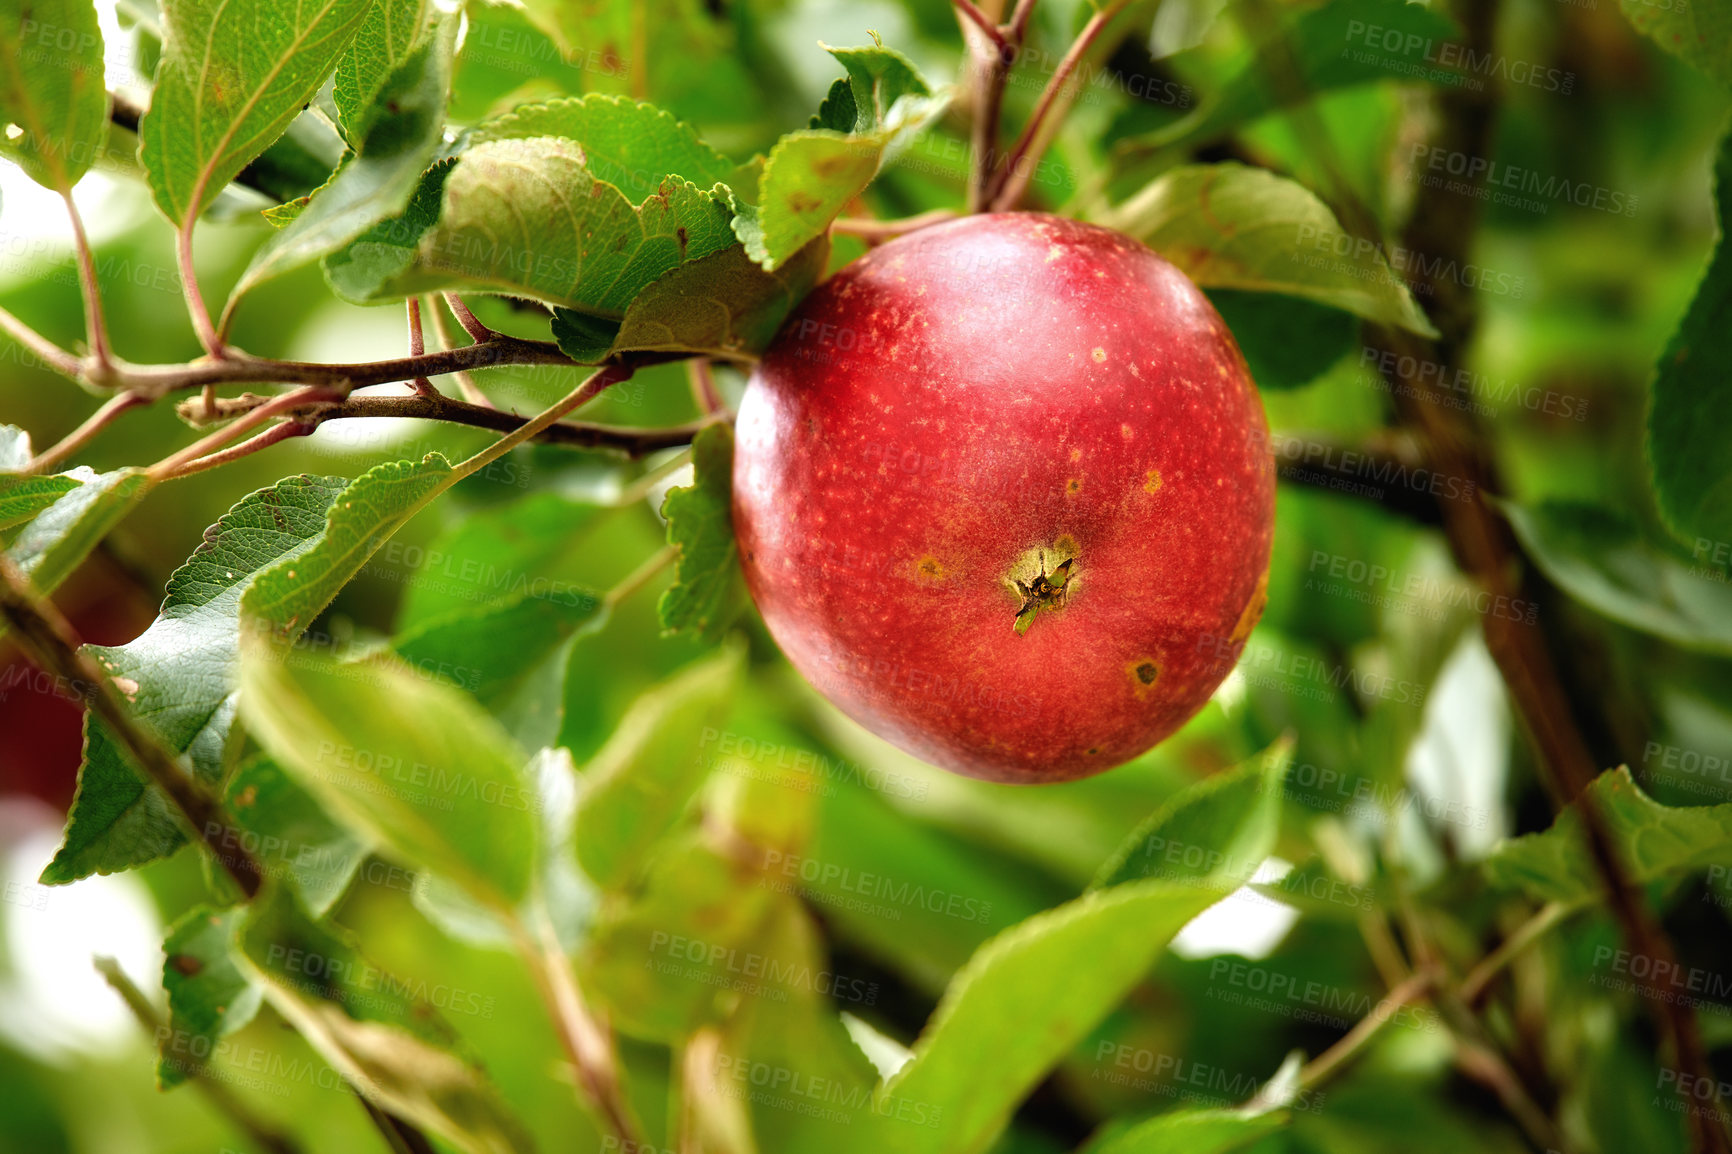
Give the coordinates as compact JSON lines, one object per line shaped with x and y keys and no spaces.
{"x":627,"y":440}
{"x":1442,"y":225}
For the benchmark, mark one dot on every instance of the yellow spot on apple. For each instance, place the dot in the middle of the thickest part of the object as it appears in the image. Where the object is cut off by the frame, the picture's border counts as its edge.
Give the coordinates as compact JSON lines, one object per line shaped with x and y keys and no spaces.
{"x":1152,"y":482}
{"x":1100,"y":355}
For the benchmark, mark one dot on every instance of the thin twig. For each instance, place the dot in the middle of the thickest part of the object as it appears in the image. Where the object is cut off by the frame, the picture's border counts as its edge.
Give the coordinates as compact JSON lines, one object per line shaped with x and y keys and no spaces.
{"x":1474,"y":986}
{"x":44,"y":349}
{"x":586,"y":1039}
{"x":642,"y":575}
{"x":95,"y":328}
{"x":195,"y":307}
{"x":983,"y":22}
{"x":81,"y":436}
{"x":227,"y":1104}
{"x":46,"y":637}
{"x":448,"y":337}
{"x":1326,"y":1064}
{"x":992,"y":56}
{"x":628,"y":440}
{"x":477,"y":331}
{"x":418,"y":345}
{"x":281,"y":431}
{"x":176,"y":464}
{"x":878,"y":230}
{"x":1024,"y":153}
{"x":704,"y":390}
{"x":1017,"y":29}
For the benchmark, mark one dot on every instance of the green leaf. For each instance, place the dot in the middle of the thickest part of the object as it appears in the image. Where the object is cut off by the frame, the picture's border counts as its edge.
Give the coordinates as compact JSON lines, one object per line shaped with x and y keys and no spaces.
{"x":52,"y":89}
{"x":489,"y":651}
{"x":402,"y":760}
{"x":1234,"y":227}
{"x":643,"y":779}
{"x":209,"y":996}
{"x":293,"y":836}
{"x":287,"y":596}
{"x":1287,"y":342}
{"x":528,"y":217}
{"x":1190,"y":1132}
{"x":391,"y":32}
{"x":706,"y":595}
{"x":631,"y":145}
{"x":232,"y":77}
{"x":394,"y":149}
{"x":179,"y":677}
{"x":1699,"y":31}
{"x":1322,"y":49}
{"x":661,"y":962}
{"x":61,"y":536}
{"x":1691,"y":399}
{"x":1005,"y":1021}
{"x":812,"y":174}
{"x":1654,"y":841}
{"x":724,"y":305}
{"x":374,"y":1029}
{"x":22,"y":497}
{"x":359,"y":271}
{"x":495,"y":556}
{"x":1604,"y":562}
{"x":1218,"y":830}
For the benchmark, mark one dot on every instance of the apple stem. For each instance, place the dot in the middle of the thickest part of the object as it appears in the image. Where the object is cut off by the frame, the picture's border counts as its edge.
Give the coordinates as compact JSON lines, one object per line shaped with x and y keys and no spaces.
{"x":1025,"y":154}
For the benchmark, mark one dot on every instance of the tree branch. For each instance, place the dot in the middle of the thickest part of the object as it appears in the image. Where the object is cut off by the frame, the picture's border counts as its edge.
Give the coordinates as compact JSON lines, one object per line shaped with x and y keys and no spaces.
{"x":50,"y":641}
{"x":1441,"y":225}
{"x":628,"y":440}
{"x":1023,"y":155}
{"x":83,"y":434}
{"x":44,"y":349}
{"x":95,"y":329}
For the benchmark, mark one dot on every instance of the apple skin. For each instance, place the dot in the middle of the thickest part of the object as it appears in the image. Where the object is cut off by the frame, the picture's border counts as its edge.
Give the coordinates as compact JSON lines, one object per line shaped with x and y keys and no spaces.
{"x":960,"y":409}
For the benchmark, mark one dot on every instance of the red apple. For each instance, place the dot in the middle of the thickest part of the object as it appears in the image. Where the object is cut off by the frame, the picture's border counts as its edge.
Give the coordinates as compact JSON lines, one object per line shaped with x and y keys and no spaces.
{"x":1003,"y":494}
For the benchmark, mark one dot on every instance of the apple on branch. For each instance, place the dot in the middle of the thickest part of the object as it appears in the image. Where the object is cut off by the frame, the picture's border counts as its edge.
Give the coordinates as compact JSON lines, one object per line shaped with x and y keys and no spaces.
{"x":1003,"y":495}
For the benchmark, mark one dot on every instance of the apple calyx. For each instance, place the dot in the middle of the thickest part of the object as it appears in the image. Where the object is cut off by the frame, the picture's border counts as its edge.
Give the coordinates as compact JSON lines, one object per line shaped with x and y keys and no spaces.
{"x":1042,"y":579}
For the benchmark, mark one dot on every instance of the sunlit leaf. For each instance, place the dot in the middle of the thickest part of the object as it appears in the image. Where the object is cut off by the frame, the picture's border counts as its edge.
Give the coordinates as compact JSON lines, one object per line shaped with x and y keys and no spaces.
{"x":231,"y":79}
{"x":400,"y":759}
{"x":700,"y":525}
{"x":52,"y":89}
{"x":179,"y":677}
{"x":1655,"y":841}
{"x":643,"y":779}
{"x":1233,"y":227}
